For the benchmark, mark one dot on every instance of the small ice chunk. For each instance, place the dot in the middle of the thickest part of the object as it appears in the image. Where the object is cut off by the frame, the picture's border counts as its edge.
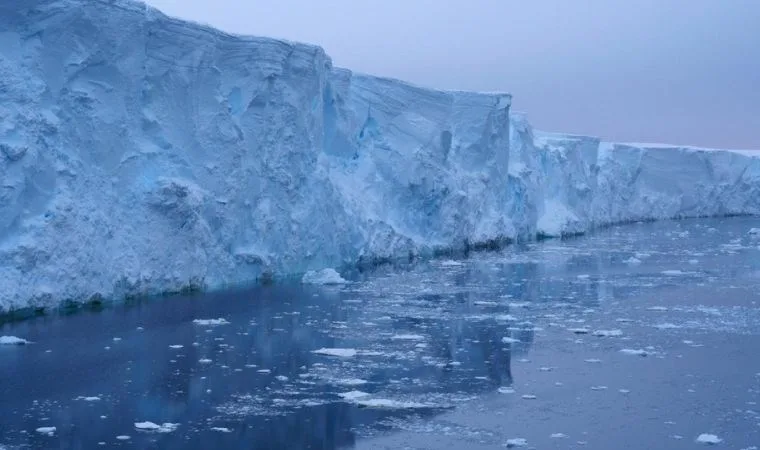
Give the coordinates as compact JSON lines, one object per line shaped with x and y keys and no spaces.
{"x":624,"y":391}
{"x":211,"y":322}
{"x":558,"y":436}
{"x":88,"y":399}
{"x":13,"y":340}
{"x":506,"y":390}
{"x":176,"y":346}
{"x":353,"y":395}
{"x":529,"y":397}
{"x":635,"y":352}
{"x":123,"y":437}
{"x":583,"y":276}
{"x":383,"y":403}
{"x":205,"y":361}
{"x":510,"y":340}
{"x":407,"y":337}
{"x":667,"y":326}
{"x":693,"y":261}
{"x":116,"y":339}
{"x":673,"y":273}
{"x":155,"y":428}
{"x":340,"y":352}
{"x":516,"y":442}
{"x":709,"y":439}
{"x":351,"y":382}
{"x":221,"y":429}
{"x":451,"y":263}
{"x":632,"y":261}
{"x":657,"y":308}
{"x":323,"y":277}
{"x":608,"y":333}
{"x":281,"y":378}
{"x":598,"y":388}
{"x":46,"y":430}
{"x":593,"y":360}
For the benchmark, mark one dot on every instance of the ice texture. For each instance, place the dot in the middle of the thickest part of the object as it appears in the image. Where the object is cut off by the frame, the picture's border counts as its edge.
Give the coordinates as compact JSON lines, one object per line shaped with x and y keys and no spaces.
{"x":141,"y":154}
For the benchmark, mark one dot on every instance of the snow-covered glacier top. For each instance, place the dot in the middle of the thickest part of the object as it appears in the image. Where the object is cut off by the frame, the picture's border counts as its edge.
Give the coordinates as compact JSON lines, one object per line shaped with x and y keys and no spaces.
{"x":141,"y":154}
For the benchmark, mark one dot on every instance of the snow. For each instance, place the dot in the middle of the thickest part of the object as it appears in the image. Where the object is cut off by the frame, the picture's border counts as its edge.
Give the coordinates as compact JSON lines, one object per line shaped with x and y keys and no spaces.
{"x":243,"y":158}
{"x":324,"y":276}
{"x":709,"y":439}
{"x":155,"y":428}
{"x":13,"y":340}
{"x":340,"y":352}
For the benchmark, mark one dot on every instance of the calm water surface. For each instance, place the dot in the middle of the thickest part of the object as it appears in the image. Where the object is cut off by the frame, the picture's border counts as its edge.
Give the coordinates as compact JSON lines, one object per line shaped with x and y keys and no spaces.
{"x":643,"y":336}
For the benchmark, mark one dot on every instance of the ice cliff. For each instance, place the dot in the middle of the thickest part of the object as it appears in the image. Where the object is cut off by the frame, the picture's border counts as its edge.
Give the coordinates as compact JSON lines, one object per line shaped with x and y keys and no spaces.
{"x":141,"y":154}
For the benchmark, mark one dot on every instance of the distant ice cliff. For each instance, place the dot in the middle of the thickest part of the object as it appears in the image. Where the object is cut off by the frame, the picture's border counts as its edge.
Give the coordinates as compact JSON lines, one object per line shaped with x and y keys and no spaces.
{"x":141,"y":154}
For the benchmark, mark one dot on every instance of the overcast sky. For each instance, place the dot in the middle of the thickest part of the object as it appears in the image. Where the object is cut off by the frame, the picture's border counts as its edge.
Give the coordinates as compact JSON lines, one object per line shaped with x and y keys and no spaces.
{"x":671,"y":71}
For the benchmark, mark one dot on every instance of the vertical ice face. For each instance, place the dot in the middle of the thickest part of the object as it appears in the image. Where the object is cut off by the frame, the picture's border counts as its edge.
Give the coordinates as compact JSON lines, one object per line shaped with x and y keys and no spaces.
{"x":142,"y":154}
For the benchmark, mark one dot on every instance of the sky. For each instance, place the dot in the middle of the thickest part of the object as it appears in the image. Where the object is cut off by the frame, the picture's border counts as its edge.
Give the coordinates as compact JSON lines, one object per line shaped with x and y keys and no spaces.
{"x":683,"y":72}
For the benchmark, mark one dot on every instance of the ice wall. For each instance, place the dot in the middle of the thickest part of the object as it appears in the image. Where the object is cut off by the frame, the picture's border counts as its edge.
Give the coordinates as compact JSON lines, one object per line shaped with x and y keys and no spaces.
{"x":140,"y":154}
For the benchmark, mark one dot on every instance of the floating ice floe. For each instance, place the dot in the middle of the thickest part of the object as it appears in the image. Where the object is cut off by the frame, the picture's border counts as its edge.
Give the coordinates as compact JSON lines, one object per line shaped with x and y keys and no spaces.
{"x":13,"y":340}
{"x":632,"y":261}
{"x":451,"y":263}
{"x":155,"y":428}
{"x":407,"y":337}
{"x":323,"y":277}
{"x":529,"y":397}
{"x":46,"y":430}
{"x":674,"y":273}
{"x":558,"y":436}
{"x":221,"y":429}
{"x":340,"y":352}
{"x":350,"y":382}
{"x":516,"y":442}
{"x":593,"y":360}
{"x":608,"y":333}
{"x":176,"y":347}
{"x":709,"y":439}
{"x":353,"y":395}
{"x":510,"y":340}
{"x":211,"y":322}
{"x":88,"y":399}
{"x":123,"y":437}
{"x":205,"y":361}
{"x":635,"y":352}
{"x":667,"y":326}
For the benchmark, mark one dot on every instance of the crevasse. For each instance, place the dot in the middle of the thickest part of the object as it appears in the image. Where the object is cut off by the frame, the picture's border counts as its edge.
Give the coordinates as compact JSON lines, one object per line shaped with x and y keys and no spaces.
{"x":140,"y":154}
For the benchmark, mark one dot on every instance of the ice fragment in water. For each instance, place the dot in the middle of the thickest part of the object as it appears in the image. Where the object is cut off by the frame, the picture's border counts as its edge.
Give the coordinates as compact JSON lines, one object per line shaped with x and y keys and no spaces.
{"x":13,"y":340}
{"x":709,"y":439}
{"x":210,"y":322}
{"x":340,"y":352}
{"x":323,"y":277}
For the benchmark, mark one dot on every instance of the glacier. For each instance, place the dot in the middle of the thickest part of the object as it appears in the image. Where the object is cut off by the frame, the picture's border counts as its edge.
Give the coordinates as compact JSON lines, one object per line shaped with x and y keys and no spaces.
{"x":141,"y":155}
